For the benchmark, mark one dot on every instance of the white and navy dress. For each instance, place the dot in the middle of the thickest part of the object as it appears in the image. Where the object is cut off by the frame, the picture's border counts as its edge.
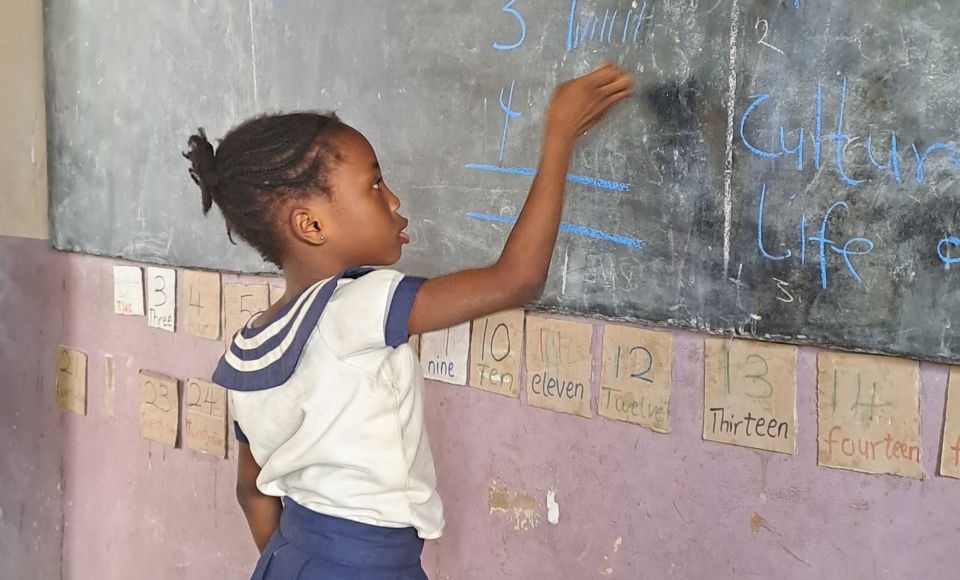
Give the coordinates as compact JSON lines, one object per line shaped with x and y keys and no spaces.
{"x":329,"y":396}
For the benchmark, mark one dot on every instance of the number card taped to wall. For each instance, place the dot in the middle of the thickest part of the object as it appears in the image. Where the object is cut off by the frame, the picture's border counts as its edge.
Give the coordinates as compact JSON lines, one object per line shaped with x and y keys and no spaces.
{"x":200,"y":303}
{"x":635,"y":377}
{"x":750,"y":394}
{"x":950,"y":450}
{"x":241,"y":302}
{"x":206,"y":421}
{"x":128,"y":290}
{"x":559,"y":365}
{"x":159,"y":408}
{"x":443,"y":354}
{"x":495,"y":353}
{"x":162,"y":298}
{"x":869,"y":414}
{"x":71,"y":381}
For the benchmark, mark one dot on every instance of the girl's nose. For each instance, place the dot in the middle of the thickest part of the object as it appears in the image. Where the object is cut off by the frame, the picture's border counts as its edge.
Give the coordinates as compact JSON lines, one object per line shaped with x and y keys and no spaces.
{"x":394,"y":200}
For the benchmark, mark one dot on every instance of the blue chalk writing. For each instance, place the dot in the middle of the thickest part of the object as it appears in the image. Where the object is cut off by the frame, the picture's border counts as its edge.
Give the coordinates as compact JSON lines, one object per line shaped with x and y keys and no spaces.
{"x":818,"y":137}
{"x":763,"y":252}
{"x":798,"y":149}
{"x":871,"y":158}
{"x":803,"y":239}
{"x":565,"y":227}
{"x":944,"y":245}
{"x":840,"y":139}
{"x":846,"y":252}
{"x":636,"y":30}
{"x":573,"y":178}
{"x":592,"y":28}
{"x":626,"y":25}
{"x":893,"y":166}
{"x":944,"y":151}
{"x":757,"y":101}
{"x":933,"y":149}
{"x":570,"y":22}
{"x":508,"y":114}
{"x":894,"y":157}
{"x":523,"y":28}
{"x":824,"y":242}
{"x":857,"y":246}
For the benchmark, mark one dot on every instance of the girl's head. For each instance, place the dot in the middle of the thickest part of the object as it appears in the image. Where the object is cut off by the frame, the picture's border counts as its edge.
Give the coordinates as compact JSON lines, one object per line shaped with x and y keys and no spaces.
{"x":301,"y":188}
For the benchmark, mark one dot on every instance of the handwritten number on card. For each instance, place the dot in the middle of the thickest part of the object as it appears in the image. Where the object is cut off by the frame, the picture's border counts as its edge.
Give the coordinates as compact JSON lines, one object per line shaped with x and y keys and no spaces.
{"x":161,"y":397}
{"x":161,"y":290}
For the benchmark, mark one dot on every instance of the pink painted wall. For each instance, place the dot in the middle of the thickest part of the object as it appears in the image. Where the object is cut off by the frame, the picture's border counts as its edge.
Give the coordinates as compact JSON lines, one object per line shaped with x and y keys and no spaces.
{"x":633,"y":504}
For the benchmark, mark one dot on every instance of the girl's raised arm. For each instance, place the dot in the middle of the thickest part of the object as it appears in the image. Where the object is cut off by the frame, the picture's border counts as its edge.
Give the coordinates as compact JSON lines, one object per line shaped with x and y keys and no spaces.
{"x":519,"y":275}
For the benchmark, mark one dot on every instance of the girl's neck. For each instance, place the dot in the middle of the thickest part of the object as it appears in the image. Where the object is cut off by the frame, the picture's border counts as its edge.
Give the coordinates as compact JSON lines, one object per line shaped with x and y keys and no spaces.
{"x":299,"y":277}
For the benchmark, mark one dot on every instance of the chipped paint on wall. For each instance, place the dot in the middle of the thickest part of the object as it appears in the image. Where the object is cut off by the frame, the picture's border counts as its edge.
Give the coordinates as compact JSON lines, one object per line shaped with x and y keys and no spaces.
{"x":522,"y":508}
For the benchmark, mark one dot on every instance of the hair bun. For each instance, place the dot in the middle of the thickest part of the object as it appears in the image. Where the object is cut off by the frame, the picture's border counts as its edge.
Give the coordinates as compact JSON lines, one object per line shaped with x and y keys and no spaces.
{"x":203,"y":167}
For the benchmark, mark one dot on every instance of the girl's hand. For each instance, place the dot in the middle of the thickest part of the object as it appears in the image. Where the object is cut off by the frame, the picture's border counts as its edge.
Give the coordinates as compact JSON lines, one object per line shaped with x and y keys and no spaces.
{"x":578,"y":104}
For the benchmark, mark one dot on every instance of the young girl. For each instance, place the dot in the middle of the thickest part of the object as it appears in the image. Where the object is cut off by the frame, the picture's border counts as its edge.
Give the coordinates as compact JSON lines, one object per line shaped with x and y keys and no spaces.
{"x":335,"y":474}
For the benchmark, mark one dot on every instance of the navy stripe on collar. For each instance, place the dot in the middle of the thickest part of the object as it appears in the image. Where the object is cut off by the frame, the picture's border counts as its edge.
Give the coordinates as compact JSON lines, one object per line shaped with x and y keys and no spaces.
{"x":273,"y":373}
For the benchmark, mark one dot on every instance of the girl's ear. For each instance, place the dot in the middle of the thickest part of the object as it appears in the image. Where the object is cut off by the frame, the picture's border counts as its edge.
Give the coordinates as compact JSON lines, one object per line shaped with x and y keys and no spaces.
{"x":307,"y":226}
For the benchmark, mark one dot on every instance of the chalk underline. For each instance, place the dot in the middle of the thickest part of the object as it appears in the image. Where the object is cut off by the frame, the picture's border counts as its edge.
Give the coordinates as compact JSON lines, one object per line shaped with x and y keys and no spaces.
{"x":565,"y":227}
{"x":571,"y":177}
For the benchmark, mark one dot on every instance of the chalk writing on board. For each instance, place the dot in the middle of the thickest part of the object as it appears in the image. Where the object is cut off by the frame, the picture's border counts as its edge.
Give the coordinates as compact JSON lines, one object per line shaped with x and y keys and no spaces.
{"x":574,"y":39}
{"x":508,"y":114}
{"x":894,"y":168}
{"x":565,"y":227}
{"x":571,"y":177}
{"x":944,"y":248}
{"x":881,"y":154}
{"x":825,"y":247}
{"x":586,"y":28}
{"x":521,"y":23}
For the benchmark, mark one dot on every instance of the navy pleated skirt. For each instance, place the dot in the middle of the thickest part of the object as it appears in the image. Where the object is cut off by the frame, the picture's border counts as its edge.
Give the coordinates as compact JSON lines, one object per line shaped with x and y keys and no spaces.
{"x":313,"y":546}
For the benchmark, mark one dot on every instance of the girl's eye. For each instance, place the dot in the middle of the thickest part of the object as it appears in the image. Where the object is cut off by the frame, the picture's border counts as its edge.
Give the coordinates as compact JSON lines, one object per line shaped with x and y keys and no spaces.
{"x":376,"y":184}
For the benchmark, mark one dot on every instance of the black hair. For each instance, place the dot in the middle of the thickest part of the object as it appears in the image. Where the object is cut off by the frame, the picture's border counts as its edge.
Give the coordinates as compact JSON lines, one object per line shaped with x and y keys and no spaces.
{"x":259,"y":165}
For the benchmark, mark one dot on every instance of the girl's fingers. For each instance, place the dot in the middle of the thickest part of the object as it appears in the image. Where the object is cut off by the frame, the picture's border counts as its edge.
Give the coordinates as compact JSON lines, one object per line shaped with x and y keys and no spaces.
{"x":621,"y":82}
{"x":603,"y":75}
{"x":616,"y":97}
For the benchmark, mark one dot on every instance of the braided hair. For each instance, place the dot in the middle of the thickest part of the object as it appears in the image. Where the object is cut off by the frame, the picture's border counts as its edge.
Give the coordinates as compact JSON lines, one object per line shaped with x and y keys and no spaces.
{"x":258,"y":166}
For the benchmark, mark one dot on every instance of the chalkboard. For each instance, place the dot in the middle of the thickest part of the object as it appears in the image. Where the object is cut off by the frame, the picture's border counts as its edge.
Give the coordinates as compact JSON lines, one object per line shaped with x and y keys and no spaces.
{"x":787,"y":169}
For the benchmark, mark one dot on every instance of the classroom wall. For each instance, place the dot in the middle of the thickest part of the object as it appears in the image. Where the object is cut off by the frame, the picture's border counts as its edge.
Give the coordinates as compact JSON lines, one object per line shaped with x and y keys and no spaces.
{"x":632,"y":503}
{"x":30,"y":432}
